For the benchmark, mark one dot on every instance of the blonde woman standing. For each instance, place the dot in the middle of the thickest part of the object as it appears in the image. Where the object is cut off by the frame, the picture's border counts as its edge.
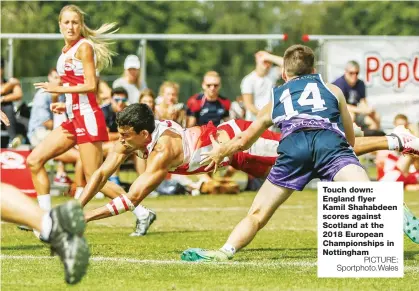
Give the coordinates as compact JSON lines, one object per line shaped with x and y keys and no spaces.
{"x":83,"y":55}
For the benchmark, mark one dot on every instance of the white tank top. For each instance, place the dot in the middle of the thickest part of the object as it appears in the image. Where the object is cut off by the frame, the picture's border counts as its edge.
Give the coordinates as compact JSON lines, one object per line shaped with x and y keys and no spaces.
{"x":68,"y":61}
{"x":161,"y":127}
{"x":71,"y":72}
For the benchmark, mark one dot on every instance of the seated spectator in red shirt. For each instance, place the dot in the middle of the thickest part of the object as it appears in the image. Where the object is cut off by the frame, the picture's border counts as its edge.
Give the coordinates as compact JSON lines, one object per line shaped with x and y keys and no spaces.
{"x":209,"y":105}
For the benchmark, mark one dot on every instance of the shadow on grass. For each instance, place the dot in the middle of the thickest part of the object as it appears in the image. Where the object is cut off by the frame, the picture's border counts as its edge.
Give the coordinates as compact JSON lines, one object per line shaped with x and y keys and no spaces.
{"x":23,"y":247}
{"x":279,"y":250}
{"x":282,"y":253}
{"x":410,"y":255}
{"x":177,"y":231}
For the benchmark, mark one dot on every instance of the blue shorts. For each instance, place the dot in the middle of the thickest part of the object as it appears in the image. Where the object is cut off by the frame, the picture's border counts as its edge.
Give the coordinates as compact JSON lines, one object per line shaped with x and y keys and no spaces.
{"x":305,"y":155}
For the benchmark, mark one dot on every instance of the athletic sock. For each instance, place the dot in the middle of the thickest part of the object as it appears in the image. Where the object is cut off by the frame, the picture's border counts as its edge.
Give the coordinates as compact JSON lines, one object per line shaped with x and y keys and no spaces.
{"x":141,"y":212}
{"x":79,"y":190}
{"x":46,"y":226}
{"x":44,"y":202}
{"x":393,"y":143}
{"x":229,"y":250}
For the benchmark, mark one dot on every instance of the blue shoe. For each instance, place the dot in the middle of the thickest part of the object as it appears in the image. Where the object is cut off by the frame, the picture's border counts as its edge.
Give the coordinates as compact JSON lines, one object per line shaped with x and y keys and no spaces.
{"x":201,"y":255}
{"x":115,"y":179}
{"x":411,"y":225}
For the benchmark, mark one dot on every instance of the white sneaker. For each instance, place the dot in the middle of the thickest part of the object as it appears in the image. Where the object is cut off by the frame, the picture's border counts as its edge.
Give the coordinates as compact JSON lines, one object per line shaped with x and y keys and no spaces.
{"x":404,"y":137}
{"x":99,"y":195}
{"x":412,"y":147}
{"x":153,"y":194}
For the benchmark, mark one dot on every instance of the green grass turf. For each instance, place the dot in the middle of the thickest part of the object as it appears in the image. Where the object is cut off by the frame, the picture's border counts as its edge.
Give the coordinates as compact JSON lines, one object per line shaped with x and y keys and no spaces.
{"x":282,"y":257}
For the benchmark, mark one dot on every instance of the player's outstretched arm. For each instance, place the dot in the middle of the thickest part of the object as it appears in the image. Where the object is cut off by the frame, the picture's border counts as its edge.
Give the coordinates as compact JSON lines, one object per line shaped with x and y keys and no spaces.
{"x":158,"y":165}
{"x":240,"y":142}
{"x":346,"y":117}
{"x":115,"y":158}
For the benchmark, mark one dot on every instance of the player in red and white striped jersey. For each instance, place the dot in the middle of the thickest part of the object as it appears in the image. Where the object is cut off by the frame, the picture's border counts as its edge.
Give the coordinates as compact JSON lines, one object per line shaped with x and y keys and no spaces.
{"x":82,"y":56}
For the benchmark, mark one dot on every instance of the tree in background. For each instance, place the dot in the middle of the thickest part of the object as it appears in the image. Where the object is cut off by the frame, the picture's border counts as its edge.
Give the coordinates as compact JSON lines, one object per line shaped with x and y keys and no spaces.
{"x":186,"y":61}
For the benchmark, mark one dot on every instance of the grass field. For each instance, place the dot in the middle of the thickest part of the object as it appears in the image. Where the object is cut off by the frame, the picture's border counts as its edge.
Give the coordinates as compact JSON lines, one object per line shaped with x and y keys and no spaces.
{"x":282,"y":257}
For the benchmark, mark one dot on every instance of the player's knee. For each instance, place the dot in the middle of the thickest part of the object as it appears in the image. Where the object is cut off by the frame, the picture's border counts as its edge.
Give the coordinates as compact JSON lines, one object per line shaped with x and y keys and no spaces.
{"x":258,"y":217}
{"x":87,"y":175}
{"x":34,"y":162}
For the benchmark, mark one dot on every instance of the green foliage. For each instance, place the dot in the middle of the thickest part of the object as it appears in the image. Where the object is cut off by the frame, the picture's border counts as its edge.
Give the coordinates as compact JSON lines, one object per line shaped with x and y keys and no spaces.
{"x":187,"y":61}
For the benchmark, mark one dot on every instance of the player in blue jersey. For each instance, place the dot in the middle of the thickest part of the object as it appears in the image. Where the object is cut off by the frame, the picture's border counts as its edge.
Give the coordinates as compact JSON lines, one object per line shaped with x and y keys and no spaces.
{"x":317,"y":140}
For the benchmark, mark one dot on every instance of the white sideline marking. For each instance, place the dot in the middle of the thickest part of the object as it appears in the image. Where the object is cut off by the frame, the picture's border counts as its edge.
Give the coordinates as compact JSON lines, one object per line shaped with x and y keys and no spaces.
{"x":238,"y":208}
{"x":306,"y":264}
{"x":168,"y":262}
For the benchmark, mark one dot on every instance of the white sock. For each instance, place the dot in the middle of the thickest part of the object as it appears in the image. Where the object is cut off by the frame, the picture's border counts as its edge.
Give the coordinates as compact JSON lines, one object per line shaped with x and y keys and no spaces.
{"x":46,"y":226}
{"x":393,"y":143}
{"x":228,"y":249}
{"x":45,"y":202}
{"x":79,"y":190}
{"x":99,"y":195}
{"x":141,"y":212}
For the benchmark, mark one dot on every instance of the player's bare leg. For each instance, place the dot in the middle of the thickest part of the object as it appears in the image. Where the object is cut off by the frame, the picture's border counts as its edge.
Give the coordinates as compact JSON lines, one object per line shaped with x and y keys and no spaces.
{"x":266,"y":202}
{"x":55,"y":144}
{"x":404,"y":163}
{"x":72,"y":156}
{"x":144,"y":216}
{"x":369,"y":144}
{"x":351,"y":173}
{"x":401,"y":141}
{"x":129,"y":202}
{"x":61,"y":227}
{"x":18,"y":208}
{"x":91,"y":155}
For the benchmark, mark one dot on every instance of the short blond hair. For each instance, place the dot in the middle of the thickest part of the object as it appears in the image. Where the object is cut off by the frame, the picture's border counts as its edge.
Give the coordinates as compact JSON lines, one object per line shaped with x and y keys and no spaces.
{"x":298,"y":60}
{"x":168,"y":84}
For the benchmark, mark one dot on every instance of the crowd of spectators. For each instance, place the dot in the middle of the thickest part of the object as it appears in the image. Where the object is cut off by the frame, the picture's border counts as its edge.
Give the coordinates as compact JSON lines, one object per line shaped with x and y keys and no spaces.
{"x":208,"y":105}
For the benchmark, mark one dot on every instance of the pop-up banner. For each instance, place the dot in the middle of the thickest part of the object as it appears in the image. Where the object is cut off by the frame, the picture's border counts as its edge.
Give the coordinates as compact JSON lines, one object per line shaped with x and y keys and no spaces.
{"x":389,"y":68}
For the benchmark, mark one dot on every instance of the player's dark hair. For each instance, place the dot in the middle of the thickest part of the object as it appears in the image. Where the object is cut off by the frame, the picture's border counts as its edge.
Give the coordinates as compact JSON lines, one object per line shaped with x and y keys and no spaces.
{"x":138,"y":116}
{"x":120,"y":91}
{"x":298,"y":60}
